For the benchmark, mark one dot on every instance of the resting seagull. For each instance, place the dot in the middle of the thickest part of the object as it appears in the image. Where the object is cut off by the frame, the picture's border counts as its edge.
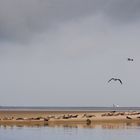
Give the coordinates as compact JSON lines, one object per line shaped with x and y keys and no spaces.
{"x":115,"y":105}
{"x":115,"y":79}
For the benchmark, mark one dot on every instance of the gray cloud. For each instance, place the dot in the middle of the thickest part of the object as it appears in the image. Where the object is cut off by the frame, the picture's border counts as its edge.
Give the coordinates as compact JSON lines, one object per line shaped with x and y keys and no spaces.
{"x":21,"y":20}
{"x":75,"y":47}
{"x":123,"y":10}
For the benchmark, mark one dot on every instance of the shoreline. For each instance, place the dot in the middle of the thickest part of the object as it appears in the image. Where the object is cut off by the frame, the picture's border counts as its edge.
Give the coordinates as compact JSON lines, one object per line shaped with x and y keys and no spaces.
{"x":67,"y":117}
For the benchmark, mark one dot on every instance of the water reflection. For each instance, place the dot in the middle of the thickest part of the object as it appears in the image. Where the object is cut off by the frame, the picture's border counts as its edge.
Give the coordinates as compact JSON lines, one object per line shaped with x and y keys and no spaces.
{"x":21,"y":124}
{"x":103,"y":125}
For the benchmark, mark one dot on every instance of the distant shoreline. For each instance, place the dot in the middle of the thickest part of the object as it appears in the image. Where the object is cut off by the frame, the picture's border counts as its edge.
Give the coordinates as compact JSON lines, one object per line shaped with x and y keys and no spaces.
{"x":43,"y":108}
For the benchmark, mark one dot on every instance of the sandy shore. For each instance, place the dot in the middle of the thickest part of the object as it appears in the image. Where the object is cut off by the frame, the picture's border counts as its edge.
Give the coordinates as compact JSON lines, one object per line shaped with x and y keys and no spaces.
{"x":66,"y":117}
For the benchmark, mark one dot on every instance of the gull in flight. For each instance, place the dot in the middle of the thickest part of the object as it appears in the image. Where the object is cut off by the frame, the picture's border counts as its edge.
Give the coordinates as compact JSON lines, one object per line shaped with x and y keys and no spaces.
{"x":130,"y":59}
{"x":115,"y":79}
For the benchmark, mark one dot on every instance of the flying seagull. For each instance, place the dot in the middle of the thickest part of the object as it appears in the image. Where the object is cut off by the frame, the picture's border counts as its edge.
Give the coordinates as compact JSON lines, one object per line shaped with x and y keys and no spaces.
{"x":115,"y":79}
{"x":130,"y":59}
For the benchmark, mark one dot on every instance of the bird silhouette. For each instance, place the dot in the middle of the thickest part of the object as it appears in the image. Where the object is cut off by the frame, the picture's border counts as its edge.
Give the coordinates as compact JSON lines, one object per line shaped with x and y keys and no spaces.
{"x":130,"y":59}
{"x":115,"y":79}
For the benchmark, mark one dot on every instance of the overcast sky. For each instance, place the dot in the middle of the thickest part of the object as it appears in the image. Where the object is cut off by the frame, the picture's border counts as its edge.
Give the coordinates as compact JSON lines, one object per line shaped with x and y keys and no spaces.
{"x":63,"y":52}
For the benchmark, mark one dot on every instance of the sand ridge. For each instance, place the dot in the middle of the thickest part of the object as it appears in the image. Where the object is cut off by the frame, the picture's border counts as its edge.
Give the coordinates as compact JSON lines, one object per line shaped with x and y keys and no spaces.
{"x":56,"y":117}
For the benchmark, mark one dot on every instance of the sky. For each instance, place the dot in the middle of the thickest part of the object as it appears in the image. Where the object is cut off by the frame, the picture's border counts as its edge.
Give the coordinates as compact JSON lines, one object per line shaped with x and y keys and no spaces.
{"x":63,"y":52}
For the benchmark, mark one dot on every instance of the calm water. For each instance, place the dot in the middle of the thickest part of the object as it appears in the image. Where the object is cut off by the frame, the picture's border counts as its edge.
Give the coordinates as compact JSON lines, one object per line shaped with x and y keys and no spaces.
{"x":71,"y":132}
{"x":70,"y":108}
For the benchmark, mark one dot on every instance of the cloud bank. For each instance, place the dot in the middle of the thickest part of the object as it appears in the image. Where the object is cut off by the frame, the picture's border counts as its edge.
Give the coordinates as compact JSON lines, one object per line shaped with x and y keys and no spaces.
{"x":62,"y":52}
{"x":22,"y":20}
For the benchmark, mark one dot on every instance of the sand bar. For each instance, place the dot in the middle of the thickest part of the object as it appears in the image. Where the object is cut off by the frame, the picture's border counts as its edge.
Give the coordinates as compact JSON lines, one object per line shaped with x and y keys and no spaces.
{"x":66,"y":117}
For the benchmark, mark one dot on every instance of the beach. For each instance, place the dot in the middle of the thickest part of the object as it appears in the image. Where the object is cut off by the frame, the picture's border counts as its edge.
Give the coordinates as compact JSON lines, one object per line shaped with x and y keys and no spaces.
{"x":66,"y":117}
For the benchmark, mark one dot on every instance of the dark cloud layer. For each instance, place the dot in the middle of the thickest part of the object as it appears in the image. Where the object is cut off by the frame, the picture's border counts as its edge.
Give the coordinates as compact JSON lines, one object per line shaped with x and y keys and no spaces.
{"x":21,"y":20}
{"x":123,"y":10}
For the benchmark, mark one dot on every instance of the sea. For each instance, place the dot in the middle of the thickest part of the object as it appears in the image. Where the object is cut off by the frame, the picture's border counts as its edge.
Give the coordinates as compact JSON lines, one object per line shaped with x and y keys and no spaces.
{"x":101,"y":131}
{"x":44,"y":108}
{"x":66,"y":132}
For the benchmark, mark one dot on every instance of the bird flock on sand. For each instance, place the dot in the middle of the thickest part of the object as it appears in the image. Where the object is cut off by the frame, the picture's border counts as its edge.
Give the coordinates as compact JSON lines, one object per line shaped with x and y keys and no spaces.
{"x":117,"y":79}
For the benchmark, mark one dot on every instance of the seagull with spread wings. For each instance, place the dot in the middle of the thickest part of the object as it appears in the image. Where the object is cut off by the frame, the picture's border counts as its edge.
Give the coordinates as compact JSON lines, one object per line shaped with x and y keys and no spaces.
{"x":115,"y":79}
